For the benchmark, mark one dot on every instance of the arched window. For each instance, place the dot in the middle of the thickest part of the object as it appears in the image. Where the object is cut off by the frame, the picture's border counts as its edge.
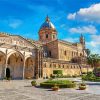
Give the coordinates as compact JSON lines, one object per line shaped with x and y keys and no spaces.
{"x":74,"y":66}
{"x":50,"y":65}
{"x":53,"y":36}
{"x":46,"y":35}
{"x":65,"y":53}
{"x":54,"y":65}
{"x":67,"y":66}
{"x":45,"y":65}
{"x":59,"y":66}
{"x":80,"y":54}
{"x":50,"y":53}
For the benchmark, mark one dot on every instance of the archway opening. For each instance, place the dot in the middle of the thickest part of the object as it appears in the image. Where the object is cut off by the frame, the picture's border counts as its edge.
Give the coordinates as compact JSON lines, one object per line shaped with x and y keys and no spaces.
{"x":15,"y":63}
{"x":2,"y":64}
{"x":7,"y":73}
{"x":29,"y":68}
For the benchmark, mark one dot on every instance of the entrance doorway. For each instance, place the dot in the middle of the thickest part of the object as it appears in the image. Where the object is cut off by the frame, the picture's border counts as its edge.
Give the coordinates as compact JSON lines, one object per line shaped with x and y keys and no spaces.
{"x":7,"y":72}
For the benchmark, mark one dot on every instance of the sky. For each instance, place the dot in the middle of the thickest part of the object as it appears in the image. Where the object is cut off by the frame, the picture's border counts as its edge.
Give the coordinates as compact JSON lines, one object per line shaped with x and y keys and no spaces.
{"x":70,"y":17}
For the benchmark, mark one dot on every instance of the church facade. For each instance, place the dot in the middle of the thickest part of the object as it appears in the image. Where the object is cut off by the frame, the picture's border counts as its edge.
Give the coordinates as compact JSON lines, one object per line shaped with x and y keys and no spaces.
{"x":22,"y":58}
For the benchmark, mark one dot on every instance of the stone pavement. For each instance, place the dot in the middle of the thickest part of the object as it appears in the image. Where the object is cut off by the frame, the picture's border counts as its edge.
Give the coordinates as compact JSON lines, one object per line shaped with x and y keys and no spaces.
{"x":22,"y":90}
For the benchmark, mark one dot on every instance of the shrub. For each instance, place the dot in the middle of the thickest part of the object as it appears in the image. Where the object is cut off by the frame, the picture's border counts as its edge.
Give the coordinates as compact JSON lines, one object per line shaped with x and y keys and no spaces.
{"x":66,"y":76}
{"x":57,"y":72}
{"x":60,"y":83}
{"x":91,"y":77}
{"x":33,"y":83}
{"x":82,"y":87}
{"x":55,"y":88}
{"x":82,"y":84}
{"x":7,"y":78}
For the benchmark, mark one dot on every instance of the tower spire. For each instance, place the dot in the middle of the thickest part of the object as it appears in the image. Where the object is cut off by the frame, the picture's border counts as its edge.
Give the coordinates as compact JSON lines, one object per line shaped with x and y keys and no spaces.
{"x":82,"y":39}
{"x":47,"y":19}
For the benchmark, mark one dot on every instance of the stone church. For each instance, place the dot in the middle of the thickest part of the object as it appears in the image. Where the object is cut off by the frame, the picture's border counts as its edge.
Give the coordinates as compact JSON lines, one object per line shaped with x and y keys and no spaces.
{"x":22,"y":58}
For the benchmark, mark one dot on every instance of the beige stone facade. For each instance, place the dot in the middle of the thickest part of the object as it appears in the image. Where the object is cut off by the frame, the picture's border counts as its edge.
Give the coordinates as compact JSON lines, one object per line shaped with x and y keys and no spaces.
{"x":24,"y":58}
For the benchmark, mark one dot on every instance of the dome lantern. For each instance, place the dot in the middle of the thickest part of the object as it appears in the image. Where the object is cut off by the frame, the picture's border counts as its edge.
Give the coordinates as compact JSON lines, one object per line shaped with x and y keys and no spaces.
{"x":47,"y":19}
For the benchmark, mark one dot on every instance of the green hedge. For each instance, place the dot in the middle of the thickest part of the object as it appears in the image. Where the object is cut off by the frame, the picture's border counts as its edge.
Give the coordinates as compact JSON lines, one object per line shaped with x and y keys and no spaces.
{"x":57,"y":72}
{"x":64,"y":76}
{"x":91,"y":77}
{"x":60,"y":83}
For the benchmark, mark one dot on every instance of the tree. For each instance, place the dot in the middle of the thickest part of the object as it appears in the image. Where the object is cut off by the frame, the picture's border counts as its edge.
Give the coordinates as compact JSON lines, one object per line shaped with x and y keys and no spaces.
{"x":88,"y":52}
{"x":57,"y":72}
{"x":93,"y":60}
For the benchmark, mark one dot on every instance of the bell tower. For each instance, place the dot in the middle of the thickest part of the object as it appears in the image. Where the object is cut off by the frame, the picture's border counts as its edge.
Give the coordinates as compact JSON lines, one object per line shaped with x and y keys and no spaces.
{"x":82,"y":40}
{"x":47,"y":31}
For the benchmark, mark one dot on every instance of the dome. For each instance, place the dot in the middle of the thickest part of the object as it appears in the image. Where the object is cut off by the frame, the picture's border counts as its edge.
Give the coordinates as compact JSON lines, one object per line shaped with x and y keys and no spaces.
{"x":47,"y":24}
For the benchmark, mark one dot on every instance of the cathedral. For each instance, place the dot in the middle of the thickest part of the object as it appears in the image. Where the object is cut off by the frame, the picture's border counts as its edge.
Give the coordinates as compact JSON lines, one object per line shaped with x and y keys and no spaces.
{"x":22,"y":58}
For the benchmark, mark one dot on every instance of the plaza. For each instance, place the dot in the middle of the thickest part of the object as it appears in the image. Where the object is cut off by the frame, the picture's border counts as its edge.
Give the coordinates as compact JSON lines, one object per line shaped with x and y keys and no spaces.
{"x":22,"y":90}
{"x":49,"y":50}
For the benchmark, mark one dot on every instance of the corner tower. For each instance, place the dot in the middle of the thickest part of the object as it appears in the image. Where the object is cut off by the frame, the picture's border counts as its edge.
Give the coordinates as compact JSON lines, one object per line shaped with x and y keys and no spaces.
{"x":47,"y":31}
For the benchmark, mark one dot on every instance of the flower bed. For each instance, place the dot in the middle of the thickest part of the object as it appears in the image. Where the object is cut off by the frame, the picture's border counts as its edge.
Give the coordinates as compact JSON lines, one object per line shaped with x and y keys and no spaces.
{"x":59,"y":83}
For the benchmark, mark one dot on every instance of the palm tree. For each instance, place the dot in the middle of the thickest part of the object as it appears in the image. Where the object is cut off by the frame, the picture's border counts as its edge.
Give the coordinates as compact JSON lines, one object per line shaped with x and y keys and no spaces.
{"x":93,"y":60}
{"x":88,"y":52}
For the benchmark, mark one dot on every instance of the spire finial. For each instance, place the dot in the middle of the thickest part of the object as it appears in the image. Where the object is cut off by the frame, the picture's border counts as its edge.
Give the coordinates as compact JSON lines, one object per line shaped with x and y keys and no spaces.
{"x":82,"y":39}
{"x":81,"y":35}
{"x":47,"y":19}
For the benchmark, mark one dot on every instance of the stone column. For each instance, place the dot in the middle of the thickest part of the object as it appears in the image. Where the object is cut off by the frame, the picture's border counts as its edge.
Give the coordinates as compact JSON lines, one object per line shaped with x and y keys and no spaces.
{"x":24,"y":66}
{"x":37,"y":64}
{"x":5,"y":63}
{"x":42,"y":64}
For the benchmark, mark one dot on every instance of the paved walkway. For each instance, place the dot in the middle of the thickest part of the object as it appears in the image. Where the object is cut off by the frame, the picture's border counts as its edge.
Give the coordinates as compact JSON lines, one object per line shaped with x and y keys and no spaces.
{"x":22,"y":90}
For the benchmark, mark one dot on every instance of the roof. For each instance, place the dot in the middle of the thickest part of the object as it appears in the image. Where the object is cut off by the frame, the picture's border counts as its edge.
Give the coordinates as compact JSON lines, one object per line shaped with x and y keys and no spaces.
{"x":47,"y":24}
{"x":3,"y":34}
{"x":37,"y":43}
{"x":62,"y":41}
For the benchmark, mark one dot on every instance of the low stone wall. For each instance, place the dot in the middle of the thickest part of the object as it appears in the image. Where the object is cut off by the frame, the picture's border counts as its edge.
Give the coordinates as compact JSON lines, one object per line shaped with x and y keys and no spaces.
{"x":70,"y":72}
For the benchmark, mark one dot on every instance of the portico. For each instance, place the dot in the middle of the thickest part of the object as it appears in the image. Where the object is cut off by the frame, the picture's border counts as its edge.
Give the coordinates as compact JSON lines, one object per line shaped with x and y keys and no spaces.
{"x":17,"y":61}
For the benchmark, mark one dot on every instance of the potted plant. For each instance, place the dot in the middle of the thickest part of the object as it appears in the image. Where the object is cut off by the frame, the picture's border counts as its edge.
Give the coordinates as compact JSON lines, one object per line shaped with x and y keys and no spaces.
{"x":55,"y":88}
{"x":82,"y":86}
{"x":33,"y":83}
{"x":7,"y":78}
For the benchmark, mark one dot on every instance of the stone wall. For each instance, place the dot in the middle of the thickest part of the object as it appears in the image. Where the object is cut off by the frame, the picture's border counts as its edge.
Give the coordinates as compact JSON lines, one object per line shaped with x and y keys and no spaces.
{"x":64,"y":50}
{"x":52,"y":48}
{"x":69,"y":69}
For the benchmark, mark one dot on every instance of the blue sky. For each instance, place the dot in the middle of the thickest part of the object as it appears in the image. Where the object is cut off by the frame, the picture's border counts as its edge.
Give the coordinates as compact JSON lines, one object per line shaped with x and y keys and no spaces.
{"x":70,"y":17}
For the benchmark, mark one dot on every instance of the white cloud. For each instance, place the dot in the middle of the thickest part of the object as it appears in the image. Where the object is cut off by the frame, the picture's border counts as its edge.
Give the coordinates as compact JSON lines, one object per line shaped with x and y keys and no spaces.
{"x":11,"y":22}
{"x":62,"y":26}
{"x":91,"y":14}
{"x":96,"y":38}
{"x":71,"y":16}
{"x":14,"y":23}
{"x":85,"y":29}
{"x":94,"y":44}
{"x":71,"y":39}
